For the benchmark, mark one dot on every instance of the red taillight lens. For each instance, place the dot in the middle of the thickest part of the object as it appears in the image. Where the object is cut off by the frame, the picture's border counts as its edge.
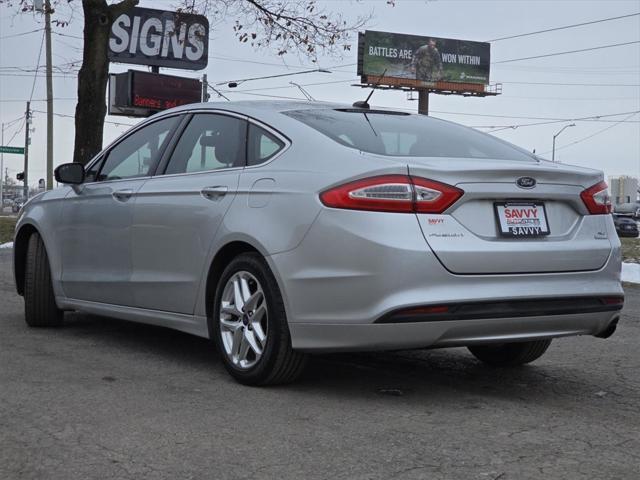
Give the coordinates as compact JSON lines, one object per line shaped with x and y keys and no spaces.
{"x":597,"y":199}
{"x":392,"y":193}
{"x":434,"y":197}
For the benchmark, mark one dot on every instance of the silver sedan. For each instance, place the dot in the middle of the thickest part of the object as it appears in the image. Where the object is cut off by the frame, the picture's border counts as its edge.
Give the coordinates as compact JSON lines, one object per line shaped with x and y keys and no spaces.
{"x":279,"y":229}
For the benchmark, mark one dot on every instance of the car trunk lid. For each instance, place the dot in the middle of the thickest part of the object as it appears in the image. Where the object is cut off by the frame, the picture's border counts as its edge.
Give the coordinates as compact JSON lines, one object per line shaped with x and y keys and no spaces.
{"x":468,"y":238}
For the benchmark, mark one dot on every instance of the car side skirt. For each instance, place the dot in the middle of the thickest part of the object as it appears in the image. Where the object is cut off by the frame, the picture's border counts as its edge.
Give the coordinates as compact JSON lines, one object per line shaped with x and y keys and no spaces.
{"x":193,"y":324}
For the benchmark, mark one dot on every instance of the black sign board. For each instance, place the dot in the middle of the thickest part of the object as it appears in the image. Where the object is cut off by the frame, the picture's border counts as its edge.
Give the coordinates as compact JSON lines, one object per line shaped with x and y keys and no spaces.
{"x":160,"y":38}
{"x":140,"y":94}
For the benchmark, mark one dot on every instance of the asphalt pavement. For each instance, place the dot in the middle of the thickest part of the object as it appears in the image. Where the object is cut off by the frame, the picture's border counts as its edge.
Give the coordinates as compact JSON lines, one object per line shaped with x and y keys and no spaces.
{"x":106,"y":399}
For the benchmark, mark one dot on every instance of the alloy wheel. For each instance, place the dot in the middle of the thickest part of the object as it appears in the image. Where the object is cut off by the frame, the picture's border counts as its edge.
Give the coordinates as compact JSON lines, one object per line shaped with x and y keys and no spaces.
{"x":243,"y":320}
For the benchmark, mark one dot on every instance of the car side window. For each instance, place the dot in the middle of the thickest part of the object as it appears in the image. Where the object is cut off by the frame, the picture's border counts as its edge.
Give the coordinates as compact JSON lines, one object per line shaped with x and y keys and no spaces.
{"x":137,"y":154}
{"x":262,"y":145}
{"x":210,"y":142}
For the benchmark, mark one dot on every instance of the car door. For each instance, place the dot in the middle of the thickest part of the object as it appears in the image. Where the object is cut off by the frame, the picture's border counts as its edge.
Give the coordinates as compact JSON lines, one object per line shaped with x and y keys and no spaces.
{"x":95,"y":229}
{"x":179,"y":210}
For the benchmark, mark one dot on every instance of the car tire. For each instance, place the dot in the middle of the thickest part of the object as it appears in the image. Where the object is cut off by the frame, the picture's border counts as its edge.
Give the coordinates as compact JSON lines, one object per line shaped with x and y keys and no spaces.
{"x":510,"y":354}
{"x":255,"y":348}
{"x":40,"y":309}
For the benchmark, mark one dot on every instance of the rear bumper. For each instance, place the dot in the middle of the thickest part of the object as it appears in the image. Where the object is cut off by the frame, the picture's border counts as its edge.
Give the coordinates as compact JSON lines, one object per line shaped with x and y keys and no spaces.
{"x":456,"y":333}
{"x":354,"y":268}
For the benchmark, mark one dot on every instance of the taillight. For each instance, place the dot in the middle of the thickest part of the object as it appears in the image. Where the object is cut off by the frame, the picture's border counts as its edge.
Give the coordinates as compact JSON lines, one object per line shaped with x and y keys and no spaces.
{"x":393,"y":193}
{"x":597,"y":199}
{"x":434,"y":197}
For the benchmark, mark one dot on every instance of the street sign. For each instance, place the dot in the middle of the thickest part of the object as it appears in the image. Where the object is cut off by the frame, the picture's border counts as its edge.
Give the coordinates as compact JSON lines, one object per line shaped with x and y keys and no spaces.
{"x":16,"y":150}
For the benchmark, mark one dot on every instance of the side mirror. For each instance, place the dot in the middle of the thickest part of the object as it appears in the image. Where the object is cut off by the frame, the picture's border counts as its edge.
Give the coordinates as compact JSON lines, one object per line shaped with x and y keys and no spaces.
{"x":69,"y":173}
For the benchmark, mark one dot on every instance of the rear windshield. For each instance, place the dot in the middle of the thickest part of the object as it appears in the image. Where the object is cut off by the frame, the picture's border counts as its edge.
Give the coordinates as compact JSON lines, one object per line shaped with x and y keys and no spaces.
{"x":405,"y":135}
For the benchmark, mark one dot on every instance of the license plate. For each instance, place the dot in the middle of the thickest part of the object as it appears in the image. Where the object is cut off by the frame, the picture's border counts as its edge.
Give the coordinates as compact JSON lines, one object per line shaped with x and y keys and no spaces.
{"x":522,"y":219}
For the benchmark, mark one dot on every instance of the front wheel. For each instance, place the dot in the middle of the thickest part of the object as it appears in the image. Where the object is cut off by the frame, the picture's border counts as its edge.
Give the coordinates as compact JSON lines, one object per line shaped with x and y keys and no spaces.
{"x":510,"y":354}
{"x":250,"y":327}
{"x":40,"y":309}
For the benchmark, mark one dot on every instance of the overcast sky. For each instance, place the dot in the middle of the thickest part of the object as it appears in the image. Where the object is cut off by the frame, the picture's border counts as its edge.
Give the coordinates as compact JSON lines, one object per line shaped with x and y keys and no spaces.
{"x":615,"y":150}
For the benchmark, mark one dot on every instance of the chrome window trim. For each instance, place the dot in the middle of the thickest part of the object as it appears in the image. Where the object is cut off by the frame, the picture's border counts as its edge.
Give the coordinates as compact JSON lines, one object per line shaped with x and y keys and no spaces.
{"x":105,"y":151}
{"x":273,"y":131}
{"x":135,"y":128}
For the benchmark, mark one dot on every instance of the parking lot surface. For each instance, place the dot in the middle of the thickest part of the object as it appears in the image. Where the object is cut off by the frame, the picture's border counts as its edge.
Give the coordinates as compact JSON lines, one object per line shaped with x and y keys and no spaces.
{"x":101,"y":398}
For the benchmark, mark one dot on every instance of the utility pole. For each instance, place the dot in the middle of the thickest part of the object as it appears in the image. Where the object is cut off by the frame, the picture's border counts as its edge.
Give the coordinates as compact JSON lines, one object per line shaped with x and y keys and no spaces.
{"x":27,"y":141}
{"x":47,"y":32}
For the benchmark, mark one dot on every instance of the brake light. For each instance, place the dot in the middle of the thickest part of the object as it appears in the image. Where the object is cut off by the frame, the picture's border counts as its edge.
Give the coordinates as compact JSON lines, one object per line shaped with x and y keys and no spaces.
{"x":392,"y":193}
{"x":597,"y":199}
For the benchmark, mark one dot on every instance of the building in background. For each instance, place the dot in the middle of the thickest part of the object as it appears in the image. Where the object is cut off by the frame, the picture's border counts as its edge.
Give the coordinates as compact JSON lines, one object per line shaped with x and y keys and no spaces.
{"x":623,"y":189}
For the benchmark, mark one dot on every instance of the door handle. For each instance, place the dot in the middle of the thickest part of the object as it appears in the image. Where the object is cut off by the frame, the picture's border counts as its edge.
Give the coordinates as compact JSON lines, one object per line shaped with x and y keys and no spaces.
{"x":214,"y":193}
{"x":123,"y":195}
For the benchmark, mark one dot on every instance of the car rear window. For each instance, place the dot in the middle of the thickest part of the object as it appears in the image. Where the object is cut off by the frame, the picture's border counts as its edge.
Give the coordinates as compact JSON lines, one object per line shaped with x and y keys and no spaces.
{"x":406,"y":135}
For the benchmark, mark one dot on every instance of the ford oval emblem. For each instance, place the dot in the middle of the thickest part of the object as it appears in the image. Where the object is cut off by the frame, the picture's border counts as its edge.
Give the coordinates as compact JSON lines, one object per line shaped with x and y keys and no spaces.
{"x":526,"y":182}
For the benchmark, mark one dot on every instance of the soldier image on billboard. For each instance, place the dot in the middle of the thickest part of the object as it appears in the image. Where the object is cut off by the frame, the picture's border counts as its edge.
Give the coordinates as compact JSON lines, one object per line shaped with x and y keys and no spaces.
{"x":427,"y":62}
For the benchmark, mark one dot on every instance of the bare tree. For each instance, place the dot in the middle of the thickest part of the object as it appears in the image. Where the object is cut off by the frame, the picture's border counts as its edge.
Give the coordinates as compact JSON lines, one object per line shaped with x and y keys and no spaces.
{"x":283,"y":26}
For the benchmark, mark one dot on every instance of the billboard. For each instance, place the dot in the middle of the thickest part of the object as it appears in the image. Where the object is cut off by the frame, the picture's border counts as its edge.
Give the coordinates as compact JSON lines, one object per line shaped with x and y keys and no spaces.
{"x":160,"y":38}
{"x":140,"y":94}
{"x":421,"y":62}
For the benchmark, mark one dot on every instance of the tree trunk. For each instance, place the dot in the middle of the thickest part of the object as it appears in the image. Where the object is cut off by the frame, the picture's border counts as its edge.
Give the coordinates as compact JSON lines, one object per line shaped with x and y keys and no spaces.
{"x":92,"y":81}
{"x":94,"y":75}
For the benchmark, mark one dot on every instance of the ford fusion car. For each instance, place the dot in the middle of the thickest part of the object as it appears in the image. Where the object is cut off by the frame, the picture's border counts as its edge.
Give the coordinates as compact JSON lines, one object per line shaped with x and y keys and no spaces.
{"x":280,"y":229}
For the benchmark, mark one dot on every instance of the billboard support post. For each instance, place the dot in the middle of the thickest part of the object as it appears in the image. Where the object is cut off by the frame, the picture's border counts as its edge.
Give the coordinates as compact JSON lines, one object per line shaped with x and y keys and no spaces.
{"x":423,"y":102}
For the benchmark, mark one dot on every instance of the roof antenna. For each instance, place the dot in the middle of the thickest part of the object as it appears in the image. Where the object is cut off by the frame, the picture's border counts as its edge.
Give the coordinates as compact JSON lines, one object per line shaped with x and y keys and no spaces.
{"x":365,"y":104}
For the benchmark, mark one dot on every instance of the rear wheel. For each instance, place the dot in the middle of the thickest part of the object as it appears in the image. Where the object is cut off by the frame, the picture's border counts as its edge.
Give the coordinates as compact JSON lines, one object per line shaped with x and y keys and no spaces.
{"x":510,"y":354}
{"x":250,"y":325}
{"x":40,"y":309}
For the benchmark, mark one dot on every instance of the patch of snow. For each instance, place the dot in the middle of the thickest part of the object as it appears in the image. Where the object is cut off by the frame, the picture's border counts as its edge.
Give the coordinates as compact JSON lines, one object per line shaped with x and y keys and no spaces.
{"x":6,"y":245}
{"x":631,"y":272}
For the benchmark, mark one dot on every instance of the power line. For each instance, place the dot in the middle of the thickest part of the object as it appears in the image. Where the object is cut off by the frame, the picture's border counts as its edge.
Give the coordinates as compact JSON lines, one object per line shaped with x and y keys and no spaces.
{"x":11,"y":100}
{"x":567,"y":52}
{"x":593,"y":134}
{"x":21,"y":34}
{"x":59,"y":75}
{"x":262,"y":95}
{"x":33,"y":86}
{"x":73,"y":116}
{"x":537,"y":118}
{"x":562,"y":120}
{"x":16,"y":132}
{"x":11,"y":122}
{"x":564,"y":27}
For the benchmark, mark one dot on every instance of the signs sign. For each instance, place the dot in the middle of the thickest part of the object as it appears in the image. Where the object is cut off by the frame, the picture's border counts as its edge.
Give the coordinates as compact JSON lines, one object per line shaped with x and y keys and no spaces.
{"x":145,"y":36}
{"x":16,"y":150}
{"x":140,"y":94}
{"x":422,"y":62}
